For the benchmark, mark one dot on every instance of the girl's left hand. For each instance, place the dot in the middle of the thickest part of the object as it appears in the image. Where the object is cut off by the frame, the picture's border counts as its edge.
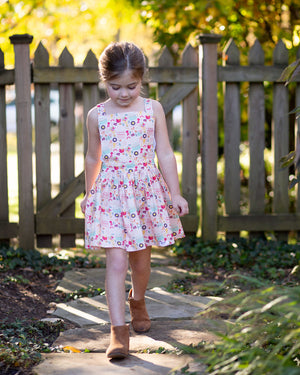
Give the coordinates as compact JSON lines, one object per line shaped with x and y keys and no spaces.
{"x":180,"y":205}
{"x":83,"y":204}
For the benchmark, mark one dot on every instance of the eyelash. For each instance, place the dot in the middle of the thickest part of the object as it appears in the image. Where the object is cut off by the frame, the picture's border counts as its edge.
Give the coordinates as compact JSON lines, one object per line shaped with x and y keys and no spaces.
{"x":117,"y":88}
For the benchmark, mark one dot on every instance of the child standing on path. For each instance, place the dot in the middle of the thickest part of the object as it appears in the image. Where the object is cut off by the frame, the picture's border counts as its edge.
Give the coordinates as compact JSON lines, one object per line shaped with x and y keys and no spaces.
{"x":129,"y":205}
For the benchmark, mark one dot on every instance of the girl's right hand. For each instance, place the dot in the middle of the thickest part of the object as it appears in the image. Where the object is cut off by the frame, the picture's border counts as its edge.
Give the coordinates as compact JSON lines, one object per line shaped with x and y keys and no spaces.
{"x":83,"y":204}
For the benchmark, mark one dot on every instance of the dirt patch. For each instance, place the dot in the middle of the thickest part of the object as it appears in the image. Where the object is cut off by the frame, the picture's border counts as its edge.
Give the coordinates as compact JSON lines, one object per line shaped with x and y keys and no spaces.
{"x":26,"y":294}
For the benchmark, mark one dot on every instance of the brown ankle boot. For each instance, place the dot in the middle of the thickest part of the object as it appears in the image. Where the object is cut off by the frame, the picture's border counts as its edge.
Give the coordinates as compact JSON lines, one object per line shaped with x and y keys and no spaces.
{"x":139,"y":317}
{"x":119,"y":342}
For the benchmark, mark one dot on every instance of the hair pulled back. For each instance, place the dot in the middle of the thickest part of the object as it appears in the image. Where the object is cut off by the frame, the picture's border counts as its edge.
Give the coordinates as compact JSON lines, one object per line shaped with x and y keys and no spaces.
{"x":119,"y":57}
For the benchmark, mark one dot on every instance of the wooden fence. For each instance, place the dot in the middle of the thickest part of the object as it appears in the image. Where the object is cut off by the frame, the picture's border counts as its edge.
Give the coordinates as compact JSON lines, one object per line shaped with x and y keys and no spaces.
{"x":256,"y":221}
{"x":40,"y":216}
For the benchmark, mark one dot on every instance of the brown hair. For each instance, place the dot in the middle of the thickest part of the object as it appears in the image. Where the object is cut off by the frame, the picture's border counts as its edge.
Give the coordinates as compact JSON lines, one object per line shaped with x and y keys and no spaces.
{"x":119,"y":57}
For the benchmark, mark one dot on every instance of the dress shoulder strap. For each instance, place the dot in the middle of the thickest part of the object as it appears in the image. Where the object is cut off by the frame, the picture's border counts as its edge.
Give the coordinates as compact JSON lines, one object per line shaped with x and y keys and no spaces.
{"x":148,"y":106}
{"x":101,"y":109}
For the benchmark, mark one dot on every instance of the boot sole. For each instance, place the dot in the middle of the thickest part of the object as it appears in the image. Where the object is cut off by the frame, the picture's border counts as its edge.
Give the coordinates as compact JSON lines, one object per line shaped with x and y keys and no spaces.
{"x":144,"y":331}
{"x":117,"y":355}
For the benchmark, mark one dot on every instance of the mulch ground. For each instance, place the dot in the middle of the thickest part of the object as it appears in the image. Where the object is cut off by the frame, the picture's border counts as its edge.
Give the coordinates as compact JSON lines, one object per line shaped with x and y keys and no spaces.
{"x":26,"y":294}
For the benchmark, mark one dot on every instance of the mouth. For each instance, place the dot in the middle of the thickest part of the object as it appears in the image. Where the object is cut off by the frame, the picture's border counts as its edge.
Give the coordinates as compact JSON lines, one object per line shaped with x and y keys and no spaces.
{"x":124,"y":101}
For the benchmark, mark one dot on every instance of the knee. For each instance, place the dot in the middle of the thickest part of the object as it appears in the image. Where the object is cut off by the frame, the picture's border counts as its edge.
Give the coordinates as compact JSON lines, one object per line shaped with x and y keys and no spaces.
{"x":140,"y":267}
{"x":116,"y":263}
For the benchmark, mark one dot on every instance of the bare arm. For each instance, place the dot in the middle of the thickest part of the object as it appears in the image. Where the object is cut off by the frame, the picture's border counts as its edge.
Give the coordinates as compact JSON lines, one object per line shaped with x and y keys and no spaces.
{"x":92,"y":159}
{"x":166,"y":159}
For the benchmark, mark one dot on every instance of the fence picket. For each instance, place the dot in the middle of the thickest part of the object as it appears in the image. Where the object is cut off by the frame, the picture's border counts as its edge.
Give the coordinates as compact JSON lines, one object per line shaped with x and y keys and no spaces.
{"x":280,"y":136}
{"x":164,"y":60}
{"x":190,"y":137}
{"x":232,"y":131}
{"x":42,"y":140}
{"x":67,"y":139}
{"x":256,"y":132}
{"x":90,"y":93}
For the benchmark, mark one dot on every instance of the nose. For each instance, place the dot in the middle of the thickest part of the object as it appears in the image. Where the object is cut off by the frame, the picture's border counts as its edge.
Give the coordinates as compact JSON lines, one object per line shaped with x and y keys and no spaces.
{"x":124,"y":93}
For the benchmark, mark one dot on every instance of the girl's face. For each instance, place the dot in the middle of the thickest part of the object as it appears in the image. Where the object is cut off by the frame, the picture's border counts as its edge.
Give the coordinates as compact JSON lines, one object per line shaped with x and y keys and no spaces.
{"x":125,"y":89}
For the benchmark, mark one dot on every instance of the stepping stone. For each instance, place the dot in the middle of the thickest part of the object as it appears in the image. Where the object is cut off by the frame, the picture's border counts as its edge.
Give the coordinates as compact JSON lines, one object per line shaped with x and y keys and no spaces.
{"x":82,"y":278}
{"x":160,"y":305}
{"x":167,"y":334}
{"x":97,"y":363}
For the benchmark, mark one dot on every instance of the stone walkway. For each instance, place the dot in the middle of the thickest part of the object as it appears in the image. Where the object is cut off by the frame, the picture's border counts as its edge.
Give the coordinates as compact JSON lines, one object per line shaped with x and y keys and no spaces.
{"x":175,"y":322}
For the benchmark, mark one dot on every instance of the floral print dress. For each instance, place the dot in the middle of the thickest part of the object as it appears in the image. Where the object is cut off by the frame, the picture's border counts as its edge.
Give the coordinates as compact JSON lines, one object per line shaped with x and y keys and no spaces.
{"x":129,"y":205}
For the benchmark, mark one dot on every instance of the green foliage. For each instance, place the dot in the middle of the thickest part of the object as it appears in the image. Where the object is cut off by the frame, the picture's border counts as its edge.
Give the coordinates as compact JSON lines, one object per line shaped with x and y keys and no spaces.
{"x":263,"y":315}
{"x":290,"y":72}
{"x":288,"y":75}
{"x":79,"y":25}
{"x":11,"y":258}
{"x":264,"y":337}
{"x":176,"y":22}
{"x":269,"y":260}
{"x":21,"y":343}
{"x":90,"y":292}
{"x":18,"y":279}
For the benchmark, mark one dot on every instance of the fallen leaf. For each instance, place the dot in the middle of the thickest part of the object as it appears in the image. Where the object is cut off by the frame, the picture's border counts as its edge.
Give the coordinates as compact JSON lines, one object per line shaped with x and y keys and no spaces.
{"x":71,"y":349}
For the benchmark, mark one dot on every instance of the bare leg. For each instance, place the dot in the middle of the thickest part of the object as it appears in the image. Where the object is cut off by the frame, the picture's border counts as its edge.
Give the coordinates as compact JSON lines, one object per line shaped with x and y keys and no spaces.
{"x":116,"y":270}
{"x":140,"y":264}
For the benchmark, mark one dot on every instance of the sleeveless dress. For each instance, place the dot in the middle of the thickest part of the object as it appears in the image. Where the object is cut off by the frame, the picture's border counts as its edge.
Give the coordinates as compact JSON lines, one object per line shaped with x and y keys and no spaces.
{"x":129,"y":205}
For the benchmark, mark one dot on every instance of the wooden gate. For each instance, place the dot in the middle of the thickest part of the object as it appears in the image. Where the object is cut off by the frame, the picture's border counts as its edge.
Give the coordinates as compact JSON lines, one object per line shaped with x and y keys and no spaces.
{"x":41,"y":215}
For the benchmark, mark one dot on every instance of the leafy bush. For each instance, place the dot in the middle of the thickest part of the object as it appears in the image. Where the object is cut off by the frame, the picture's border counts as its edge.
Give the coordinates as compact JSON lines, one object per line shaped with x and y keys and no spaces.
{"x":264,"y":336}
{"x":21,"y":343}
{"x":264,"y":259}
{"x":11,"y":258}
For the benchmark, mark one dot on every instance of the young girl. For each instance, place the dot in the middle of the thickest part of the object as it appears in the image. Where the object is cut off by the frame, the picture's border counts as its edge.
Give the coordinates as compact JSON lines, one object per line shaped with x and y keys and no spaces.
{"x":129,"y":206}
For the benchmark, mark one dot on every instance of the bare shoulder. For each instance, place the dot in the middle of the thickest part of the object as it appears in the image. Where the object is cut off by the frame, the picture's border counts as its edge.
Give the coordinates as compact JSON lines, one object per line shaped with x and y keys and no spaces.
{"x":93,"y":113}
{"x":92,"y":117}
{"x":158,"y":113}
{"x":157,"y":107}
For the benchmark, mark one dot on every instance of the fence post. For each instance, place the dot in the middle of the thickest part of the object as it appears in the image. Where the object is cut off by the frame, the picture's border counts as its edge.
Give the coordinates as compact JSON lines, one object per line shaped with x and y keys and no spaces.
{"x":4,"y":213}
{"x":297,"y":141}
{"x":24,"y":138}
{"x":209,"y":138}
